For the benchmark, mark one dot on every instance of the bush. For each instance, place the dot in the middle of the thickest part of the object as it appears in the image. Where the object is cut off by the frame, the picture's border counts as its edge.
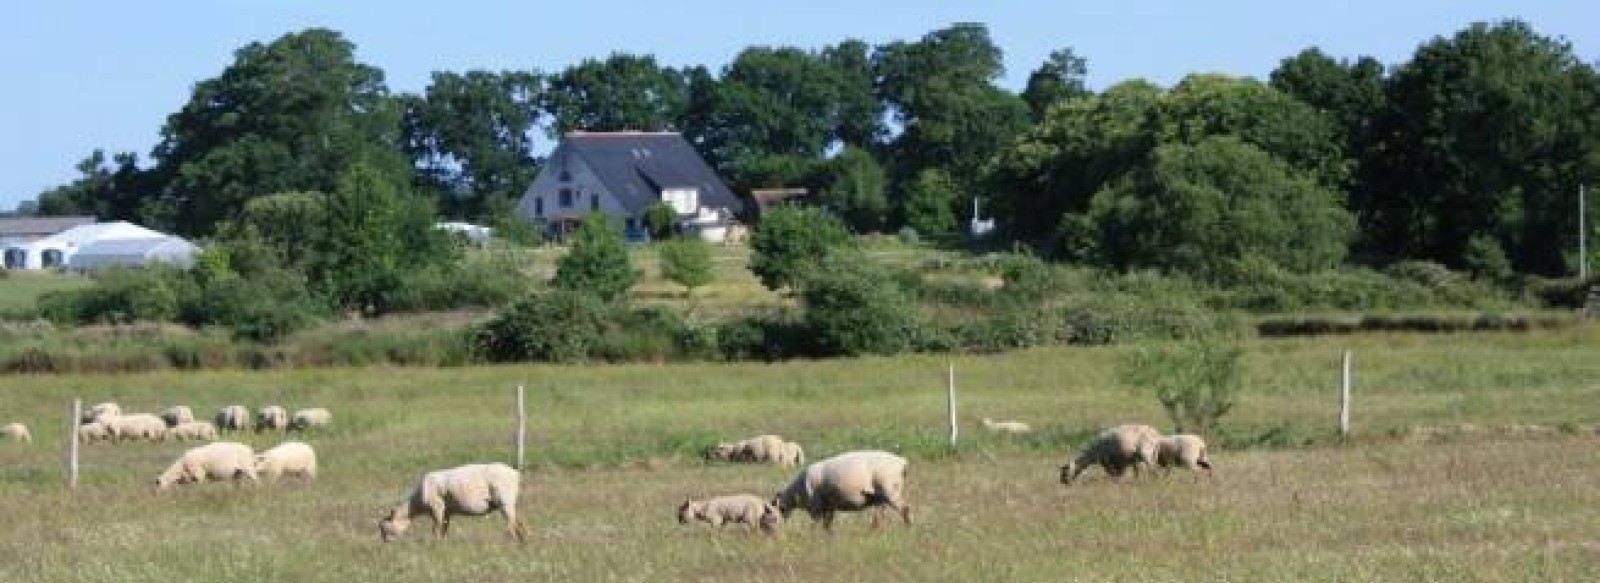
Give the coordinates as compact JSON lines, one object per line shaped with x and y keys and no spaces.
{"x":598,"y":263}
{"x":789,"y":240}
{"x":121,"y":296}
{"x":1120,"y":317}
{"x":852,"y":308}
{"x":556,"y":326}
{"x":686,"y":262}
{"x":660,"y":219}
{"x":479,"y":282}
{"x":264,"y":308}
{"x":1196,"y":382}
{"x":646,"y":334}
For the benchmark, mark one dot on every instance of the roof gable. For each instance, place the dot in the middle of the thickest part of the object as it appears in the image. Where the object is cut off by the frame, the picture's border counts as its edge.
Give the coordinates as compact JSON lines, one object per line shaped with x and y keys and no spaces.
{"x":40,"y":226}
{"x":637,"y":166}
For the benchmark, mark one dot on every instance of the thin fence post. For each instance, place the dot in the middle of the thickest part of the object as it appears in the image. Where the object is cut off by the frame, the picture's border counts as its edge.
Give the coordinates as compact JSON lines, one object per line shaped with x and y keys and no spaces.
{"x":522,"y":429}
{"x":950,"y":403}
{"x":1344,"y":396}
{"x":72,"y":444}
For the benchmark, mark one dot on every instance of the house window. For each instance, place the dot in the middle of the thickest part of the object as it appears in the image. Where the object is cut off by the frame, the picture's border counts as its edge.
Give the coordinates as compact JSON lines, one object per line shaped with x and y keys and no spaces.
{"x":538,"y":206}
{"x":594,"y":202}
{"x":566,"y":198}
{"x":52,"y":258}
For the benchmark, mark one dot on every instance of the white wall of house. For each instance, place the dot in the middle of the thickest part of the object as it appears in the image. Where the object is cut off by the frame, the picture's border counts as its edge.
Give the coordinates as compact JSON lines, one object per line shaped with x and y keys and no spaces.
{"x":684,"y":200}
{"x":544,"y":201}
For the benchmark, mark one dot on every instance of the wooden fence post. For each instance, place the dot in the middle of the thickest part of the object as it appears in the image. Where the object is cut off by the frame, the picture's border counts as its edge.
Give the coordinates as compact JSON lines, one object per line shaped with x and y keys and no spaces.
{"x":950,"y":403}
{"x":1344,"y":396}
{"x":72,"y":444}
{"x":522,"y":429}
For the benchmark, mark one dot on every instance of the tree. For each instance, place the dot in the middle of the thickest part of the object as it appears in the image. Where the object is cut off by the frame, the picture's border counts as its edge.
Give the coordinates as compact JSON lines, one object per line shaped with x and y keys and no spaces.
{"x":930,"y":201}
{"x":377,"y":230}
{"x":790,"y":240}
{"x":661,"y":219}
{"x":686,"y":262}
{"x":1351,"y":93}
{"x":598,"y":261}
{"x":1199,"y":209}
{"x":109,"y":191}
{"x":1196,"y":382}
{"x":470,"y":135}
{"x":855,"y":187}
{"x":852,"y":307}
{"x":292,"y":115}
{"x":622,"y":92}
{"x":1060,"y":78}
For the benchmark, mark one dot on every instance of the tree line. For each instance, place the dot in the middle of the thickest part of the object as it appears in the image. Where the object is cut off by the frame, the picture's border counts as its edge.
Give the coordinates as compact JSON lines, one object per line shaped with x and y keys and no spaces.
{"x":1468,"y":154}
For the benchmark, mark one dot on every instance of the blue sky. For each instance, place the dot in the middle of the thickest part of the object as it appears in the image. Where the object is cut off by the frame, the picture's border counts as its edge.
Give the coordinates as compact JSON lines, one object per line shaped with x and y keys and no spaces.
{"x":82,"y":75}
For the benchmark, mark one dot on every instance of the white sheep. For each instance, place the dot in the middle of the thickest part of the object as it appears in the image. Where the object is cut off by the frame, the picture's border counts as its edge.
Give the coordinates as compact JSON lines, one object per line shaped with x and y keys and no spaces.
{"x":222,"y":460}
{"x":758,"y":449}
{"x":308,"y":418}
{"x":1183,"y":450}
{"x":847,"y":482}
{"x":101,"y":411}
{"x":195,"y":430}
{"x":137,"y":426}
{"x":1012,"y":427}
{"x":16,"y":432}
{"x":94,"y":431}
{"x":233,"y":418}
{"x":177,"y":415}
{"x":271,"y":418}
{"x":290,"y":458}
{"x":1116,"y":450}
{"x":721,"y":511}
{"x":793,"y":454}
{"x":470,"y":490}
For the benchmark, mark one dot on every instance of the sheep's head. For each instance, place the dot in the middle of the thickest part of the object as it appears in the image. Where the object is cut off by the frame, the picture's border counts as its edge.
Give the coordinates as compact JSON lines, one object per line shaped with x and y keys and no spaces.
{"x":721,"y":451}
{"x":1066,"y":473}
{"x":784,"y":503}
{"x":771,"y":517}
{"x":687,"y":510}
{"x":393,"y":525}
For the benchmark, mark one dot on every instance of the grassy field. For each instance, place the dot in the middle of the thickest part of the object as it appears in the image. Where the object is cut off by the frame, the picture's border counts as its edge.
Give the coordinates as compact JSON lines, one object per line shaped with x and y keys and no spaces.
{"x":612,"y":450}
{"x":19,"y":290}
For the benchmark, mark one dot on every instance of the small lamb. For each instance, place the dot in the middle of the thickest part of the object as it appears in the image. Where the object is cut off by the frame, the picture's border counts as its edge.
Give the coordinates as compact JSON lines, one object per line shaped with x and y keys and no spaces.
{"x":194,"y":430}
{"x":137,"y":426}
{"x":471,"y":490}
{"x":1012,"y":427}
{"x":745,"y":509}
{"x":16,"y":432}
{"x":223,"y":460}
{"x":290,"y":458}
{"x":94,"y":431}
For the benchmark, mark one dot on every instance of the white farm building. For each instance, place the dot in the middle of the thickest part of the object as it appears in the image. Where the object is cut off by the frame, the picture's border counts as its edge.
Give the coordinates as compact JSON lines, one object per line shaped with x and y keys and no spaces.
{"x":99,"y":245}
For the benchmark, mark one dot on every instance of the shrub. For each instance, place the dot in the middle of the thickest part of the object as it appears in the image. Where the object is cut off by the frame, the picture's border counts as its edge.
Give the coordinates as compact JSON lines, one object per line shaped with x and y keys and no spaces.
{"x":649,"y":334}
{"x":598,"y":262}
{"x":1120,"y":317}
{"x":686,"y":262}
{"x":558,"y":326}
{"x":660,"y":218}
{"x":483,"y":281}
{"x":120,"y":296}
{"x":789,"y":240}
{"x":265,"y":307}
{"x":852,"y":308}
{"x":1196,"y":382}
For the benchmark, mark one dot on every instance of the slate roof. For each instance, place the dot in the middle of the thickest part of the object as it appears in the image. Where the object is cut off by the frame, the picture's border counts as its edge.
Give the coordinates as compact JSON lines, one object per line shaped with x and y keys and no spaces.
{"x":637,"y":166}
{"x":40,"y":226}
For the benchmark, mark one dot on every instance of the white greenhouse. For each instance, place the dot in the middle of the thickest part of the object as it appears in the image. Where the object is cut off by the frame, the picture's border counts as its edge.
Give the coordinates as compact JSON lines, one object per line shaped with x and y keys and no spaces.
{"x":133,"y":253}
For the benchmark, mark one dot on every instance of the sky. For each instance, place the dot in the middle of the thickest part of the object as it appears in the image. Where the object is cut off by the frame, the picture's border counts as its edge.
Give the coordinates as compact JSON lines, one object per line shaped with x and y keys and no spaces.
{"x":83,"y":75}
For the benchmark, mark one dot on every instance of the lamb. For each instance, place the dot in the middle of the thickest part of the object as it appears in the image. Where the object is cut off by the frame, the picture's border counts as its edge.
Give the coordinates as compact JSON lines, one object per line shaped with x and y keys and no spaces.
{"x":758,"y":449}
{"x":471,"y":490}
{"x":1185,"y":450}
{"x":308,"y":418}
{"x":271,"y":418}
{"x":177,"y":415}
{"x":101,"y":411}
{"x":222,"y":460}
{"x":1116,"y":449}
{"x":16,"y":432}
{"x":196,"y":430}
{"x":1012,"y":427}
{"x":233,"y":418}
{"x":847,"y":482}
{"x":94,"y":431}
{"x":744,"y":509}
{"x":290,"y":458}
{"x":137,"y":426}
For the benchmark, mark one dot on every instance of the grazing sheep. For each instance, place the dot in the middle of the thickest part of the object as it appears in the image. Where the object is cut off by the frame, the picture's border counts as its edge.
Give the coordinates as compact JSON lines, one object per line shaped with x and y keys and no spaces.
{"x":101,"y":411}
{"x":758,"y":449}
{"x":847,"y":482}
{"x":94,"y":431}
{"x":290,"y":458}
{"x":1116,"y":449}
{"x":271,"y":418}
{"x":1184,"y":450}
{"x":1012,"y":427}
{"x":307,"y":418}
{"x":471,"y":490}
{"x":744,"y":509}
{"x":223,"y":460}
{"x":137,"y":426}
{"x":195,"y":430}
{"x":16,"y":432}
{"x":233,"y":418}
{"x":177,"y":415}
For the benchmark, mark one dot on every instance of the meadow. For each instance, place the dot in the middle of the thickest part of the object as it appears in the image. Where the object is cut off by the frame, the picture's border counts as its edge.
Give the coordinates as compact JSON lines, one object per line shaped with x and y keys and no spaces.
{"x":613,"y":450}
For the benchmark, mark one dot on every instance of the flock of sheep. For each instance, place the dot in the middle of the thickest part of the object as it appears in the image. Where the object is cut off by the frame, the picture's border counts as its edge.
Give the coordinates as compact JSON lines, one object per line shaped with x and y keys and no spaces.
{"x":847,"y":482}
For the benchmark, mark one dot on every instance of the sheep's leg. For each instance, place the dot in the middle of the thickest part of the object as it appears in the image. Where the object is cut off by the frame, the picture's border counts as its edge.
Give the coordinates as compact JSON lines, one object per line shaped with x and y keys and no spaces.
{"x":827,"y":520}
{"x":441,"y":520}
{"x":514,"y":524}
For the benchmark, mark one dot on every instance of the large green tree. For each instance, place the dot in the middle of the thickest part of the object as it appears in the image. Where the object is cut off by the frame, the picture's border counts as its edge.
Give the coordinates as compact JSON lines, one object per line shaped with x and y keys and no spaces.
{"x":621,"y":92}
{"x":376,"y":231}
{"x":1061,"y":77}
{"x":1351,"y":92}
{"x":111,"y":190}
{"x":293,"y":114}
{"x":1487,"y":133}
{"x":470,"y":136}
{"x":855,"y":187}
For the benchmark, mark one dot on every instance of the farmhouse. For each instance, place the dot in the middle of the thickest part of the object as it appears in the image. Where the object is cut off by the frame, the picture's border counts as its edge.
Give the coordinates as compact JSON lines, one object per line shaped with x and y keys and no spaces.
{"x":96,"y":245}
{"x":622,"y":174}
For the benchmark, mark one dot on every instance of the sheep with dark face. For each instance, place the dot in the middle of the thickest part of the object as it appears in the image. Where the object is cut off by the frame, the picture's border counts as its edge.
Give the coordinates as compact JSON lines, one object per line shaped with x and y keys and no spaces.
{"x":1116,"y":450}
{"x":177,"y":415}
{"x":745,"y":509}
{"x":470,"y":490}
{"x":847,"y":482}
{"x":233,"y":418}
{"x":272,"y":418}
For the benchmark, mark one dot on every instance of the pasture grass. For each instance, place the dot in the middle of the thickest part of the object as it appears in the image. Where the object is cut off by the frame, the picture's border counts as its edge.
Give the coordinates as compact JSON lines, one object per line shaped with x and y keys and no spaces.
{"x":20,"y":290}
{"x":613,"y":451}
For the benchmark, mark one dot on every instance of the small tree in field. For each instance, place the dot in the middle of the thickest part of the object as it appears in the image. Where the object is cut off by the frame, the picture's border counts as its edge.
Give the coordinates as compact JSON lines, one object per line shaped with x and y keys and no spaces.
{"x":789,"y":240}
{"x":1196,"y":381}
{"x":598,"y":262}
{"x":686,"y":262}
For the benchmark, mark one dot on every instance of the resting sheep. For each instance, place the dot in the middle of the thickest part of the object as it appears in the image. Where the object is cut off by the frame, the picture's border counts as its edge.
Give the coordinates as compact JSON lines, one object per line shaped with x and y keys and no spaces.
{"x":290,"y":458}
{"x":271,"y":418}
{"x":195,"y":430}
{"x":1183,"y":450}
{"x":744,"y":509}
{"x":847,"y":482}
{"x":471,"y":490}
{"x":308,"y":418}
{"x":1116,"y":449}
{"x":223,"y":460}
{"x":759,"y":449}
{"x":16,"y":432}
{"x":94,"y":431}
{"x":101,"y":411}
{"x":233,"y":418}
{"x":137,"y":426}
{"x":177,"y":415}
{"x":1012,"y":427}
